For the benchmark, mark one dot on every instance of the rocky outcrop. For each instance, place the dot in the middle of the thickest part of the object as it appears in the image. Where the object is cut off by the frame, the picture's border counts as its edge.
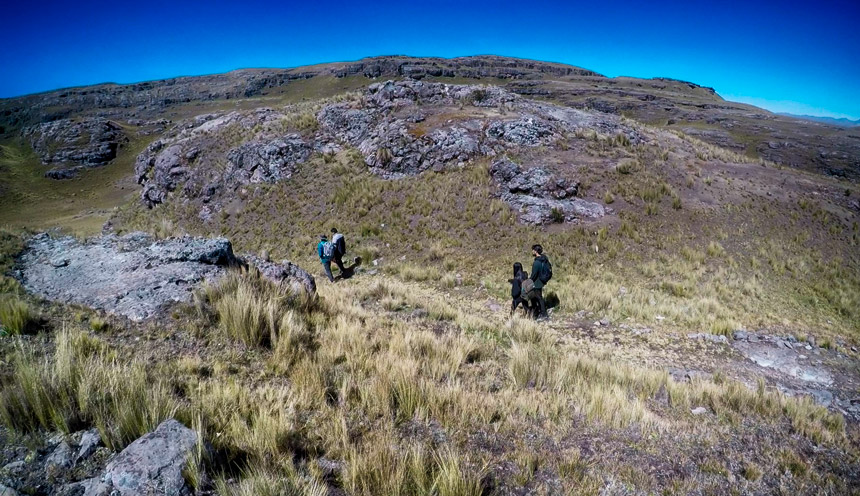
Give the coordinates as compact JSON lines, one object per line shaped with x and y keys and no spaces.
{"x":134,"y":276}
{"x":267,"y":162}
{"x":541,"y":197}
{"x":88,"y":142}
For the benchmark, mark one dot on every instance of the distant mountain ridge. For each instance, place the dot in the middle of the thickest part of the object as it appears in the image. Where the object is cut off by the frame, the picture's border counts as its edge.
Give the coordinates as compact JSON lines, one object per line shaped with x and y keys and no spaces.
{"x":826,"y":120}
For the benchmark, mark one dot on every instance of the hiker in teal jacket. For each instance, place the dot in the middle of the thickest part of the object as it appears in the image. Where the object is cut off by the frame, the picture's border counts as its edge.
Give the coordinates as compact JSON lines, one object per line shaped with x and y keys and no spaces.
{"x":541,"y":274}
{"x":325,"y":250}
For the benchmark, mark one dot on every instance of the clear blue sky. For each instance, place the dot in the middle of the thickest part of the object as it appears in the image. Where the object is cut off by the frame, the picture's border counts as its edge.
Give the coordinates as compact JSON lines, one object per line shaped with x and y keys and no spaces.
{"x":796,"y":57}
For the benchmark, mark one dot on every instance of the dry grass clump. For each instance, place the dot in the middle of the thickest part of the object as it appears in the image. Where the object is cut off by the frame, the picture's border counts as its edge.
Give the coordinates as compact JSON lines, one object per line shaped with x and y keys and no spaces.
{"x":16,"y":315}
{"x":83,"y":383}
{"x":255,"y":311}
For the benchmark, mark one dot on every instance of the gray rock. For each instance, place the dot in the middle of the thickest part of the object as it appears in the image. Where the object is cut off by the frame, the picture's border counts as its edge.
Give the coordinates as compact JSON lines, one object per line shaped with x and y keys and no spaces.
{"x":59,"y":460}
{"x":134,"y":275}
{"x":90,"y":440}
{"x":64,"y":173}
{"x":7,"y":491}
{"x":740,"y":335}
{"x":714,"y":338}
{"x":14,"y":467}
{"x":699,"y":410}
{"x":89,"y":142}
{"x":153,"y":464}
{"x":539,"y":196}
{"x":525,"y":131}
{"x":88,"y":487}
{"x":285,"y":272}
{"x":266,"y":162}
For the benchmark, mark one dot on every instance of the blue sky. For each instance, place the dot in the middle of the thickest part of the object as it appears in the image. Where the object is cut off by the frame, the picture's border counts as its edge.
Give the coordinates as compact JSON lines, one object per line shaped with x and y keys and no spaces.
{"x":784,"y":56}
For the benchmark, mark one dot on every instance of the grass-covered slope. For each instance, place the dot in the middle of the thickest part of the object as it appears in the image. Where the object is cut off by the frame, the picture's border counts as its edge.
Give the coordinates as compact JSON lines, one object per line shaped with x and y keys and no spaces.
{"x":410,"y":378}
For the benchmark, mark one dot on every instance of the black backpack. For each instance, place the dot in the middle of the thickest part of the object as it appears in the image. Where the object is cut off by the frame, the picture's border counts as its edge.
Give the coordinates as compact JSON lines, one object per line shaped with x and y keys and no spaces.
{"x":547,"y":273}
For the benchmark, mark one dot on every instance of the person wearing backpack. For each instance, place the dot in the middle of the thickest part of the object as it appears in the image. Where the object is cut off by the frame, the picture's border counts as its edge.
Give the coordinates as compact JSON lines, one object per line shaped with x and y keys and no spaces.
{"x":339,"y":249}
{"x":325,"y":250}
{"x":541,"y":274}
{"x":517,"y":296}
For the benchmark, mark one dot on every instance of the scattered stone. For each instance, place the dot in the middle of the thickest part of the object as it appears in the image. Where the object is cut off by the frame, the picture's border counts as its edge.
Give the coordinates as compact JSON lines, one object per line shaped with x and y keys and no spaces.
{"x":59,"y":460}
{"x":14,"y":467}
{"x":699,"y":410}
{"x":740,"y":335}
{"x":90,"y":440}
{"x":811,"y":340}
{"x":64,"y":173}
{"x":714,"y":338}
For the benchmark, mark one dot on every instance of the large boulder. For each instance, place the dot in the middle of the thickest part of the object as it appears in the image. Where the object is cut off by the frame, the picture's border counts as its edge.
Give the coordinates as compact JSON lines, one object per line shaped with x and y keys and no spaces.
{"x":89,"y":142}
{"x":135,"y":276}
{"x":152,"y":465}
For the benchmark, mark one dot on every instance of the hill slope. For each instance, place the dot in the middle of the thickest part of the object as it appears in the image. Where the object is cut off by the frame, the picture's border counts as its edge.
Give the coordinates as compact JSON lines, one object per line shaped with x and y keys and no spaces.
{"x":704,"y":332}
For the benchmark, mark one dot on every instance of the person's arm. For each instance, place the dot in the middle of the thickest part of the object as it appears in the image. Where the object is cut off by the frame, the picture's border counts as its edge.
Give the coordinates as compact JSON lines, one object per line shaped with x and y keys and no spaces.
{"x":319,"y":250}
{"x":535,"y":270}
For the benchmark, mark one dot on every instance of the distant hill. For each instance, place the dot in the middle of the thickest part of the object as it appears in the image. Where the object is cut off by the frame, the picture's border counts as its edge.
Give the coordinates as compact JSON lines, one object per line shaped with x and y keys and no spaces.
{"x":826,"y":120}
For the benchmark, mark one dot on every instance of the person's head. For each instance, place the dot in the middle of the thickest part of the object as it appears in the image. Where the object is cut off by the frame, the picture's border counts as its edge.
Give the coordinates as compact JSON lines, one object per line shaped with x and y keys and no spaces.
{"x":518,"y":267}
{"x":323,"y":237}
{"x":334,"y":230}
{"x":537,"y":250}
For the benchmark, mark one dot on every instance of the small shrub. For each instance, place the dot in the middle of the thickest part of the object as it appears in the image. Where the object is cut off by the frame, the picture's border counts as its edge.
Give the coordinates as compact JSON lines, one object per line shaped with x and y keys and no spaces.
{"x":98,"y":324}
{"x":715,"y":249}
{"x":608,"y":198}
{"x":627,"y":166}
{"x":383,"y":156}
{"x":751,"y":472}
{"x":557,"y":215}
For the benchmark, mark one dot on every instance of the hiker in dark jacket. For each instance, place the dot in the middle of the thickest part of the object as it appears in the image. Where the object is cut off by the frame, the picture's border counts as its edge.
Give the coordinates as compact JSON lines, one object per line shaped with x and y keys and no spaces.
{"x":325,"y":250}
{"x":541,"y":274}
{"x":339,"y":249}
{"x":516,"y":289}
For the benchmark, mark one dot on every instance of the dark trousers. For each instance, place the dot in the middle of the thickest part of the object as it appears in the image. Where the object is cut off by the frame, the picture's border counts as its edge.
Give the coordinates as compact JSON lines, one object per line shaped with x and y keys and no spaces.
{"x":327,"y":267}
{"x":338,"y":260}
{"x":537,"y":303}
{"x":517,"y":302}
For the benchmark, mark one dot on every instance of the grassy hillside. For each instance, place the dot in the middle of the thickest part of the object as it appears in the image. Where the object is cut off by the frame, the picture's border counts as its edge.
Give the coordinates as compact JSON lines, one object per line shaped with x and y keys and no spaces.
{"x":411,"y":378}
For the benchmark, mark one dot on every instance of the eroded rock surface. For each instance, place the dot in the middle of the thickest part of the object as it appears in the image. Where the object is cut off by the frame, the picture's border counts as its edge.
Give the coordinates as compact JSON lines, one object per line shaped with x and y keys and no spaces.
{"x":134,"y":275}
{"x":87,"y":142}
{"x":401,"y":129}
{"x":539,"y":196}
